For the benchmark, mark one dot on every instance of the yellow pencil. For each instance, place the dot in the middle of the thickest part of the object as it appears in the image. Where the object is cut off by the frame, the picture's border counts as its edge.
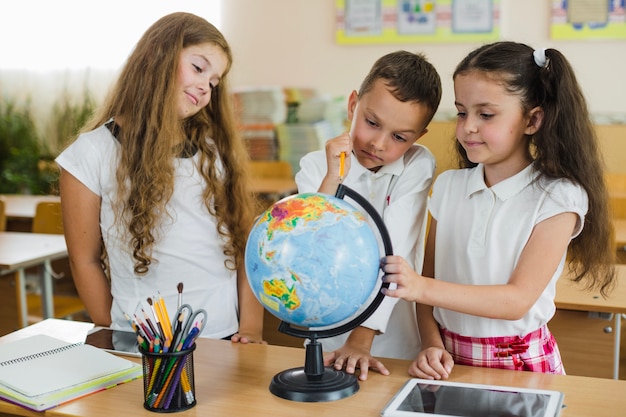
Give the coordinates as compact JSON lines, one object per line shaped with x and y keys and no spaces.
{"x":161,"y":319}
{"x":166,"y":316}
{"x":342,"y":164}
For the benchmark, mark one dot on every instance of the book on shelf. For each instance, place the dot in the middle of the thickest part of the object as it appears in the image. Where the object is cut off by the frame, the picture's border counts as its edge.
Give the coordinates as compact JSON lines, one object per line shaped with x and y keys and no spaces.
{"x":297,"y":139}
{"x":41,"y":372}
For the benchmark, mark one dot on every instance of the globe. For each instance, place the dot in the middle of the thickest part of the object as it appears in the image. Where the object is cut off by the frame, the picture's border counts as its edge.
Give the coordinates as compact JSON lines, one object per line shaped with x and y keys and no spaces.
{"x":312,"y":260}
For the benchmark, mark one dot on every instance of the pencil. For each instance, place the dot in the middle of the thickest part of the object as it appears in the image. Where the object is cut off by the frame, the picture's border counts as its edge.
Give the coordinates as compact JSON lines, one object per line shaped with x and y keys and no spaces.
{"x":342,"y":164}
{"x":165,"y":317}
{"x":177,"y":330}
{"x":157,"y":318}
{"x":152,"y":328}
{"x":173,"y":385}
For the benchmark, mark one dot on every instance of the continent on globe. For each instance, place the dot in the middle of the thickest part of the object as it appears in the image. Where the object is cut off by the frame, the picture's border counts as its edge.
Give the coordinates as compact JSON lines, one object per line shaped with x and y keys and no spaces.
{"x":278,"y":289}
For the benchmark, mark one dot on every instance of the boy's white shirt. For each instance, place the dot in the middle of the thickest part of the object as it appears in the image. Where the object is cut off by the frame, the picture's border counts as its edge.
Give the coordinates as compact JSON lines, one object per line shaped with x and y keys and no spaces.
{"x":399,"y":193}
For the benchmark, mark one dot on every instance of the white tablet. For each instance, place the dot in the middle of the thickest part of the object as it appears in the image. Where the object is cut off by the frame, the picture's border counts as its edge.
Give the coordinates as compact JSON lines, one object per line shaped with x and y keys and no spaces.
{"x":420,"y":397}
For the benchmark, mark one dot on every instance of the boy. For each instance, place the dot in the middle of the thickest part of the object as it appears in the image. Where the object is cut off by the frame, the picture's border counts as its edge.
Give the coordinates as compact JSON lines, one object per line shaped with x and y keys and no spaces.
{"x":394,"y":105}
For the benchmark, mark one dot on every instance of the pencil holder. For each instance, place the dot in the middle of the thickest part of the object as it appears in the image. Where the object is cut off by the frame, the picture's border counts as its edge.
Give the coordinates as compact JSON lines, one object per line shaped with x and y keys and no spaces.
{"x":168,"y":380}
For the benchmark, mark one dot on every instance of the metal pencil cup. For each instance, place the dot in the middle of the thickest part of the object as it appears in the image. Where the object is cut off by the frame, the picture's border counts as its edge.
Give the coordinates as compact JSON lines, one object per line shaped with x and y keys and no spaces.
{"x":168,"y":380}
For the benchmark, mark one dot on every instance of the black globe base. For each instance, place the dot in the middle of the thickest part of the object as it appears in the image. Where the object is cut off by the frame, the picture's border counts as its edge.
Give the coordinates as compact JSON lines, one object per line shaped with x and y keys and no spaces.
{"x":313,"y":382}
{"x":294,"y":384}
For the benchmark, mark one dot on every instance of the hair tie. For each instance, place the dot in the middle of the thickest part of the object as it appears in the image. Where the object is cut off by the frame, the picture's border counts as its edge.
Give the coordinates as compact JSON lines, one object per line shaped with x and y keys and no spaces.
{"x":540,"y":57}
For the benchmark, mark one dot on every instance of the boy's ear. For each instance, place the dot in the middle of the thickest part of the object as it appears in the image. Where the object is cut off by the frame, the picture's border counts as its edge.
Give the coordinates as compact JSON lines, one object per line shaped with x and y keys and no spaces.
{"x":352,"y":102}
{"x":535,"y":119}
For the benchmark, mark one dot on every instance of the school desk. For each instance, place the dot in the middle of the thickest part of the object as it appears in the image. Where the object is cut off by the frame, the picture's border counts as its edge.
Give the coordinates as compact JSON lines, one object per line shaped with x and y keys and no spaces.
{"x":18,"y":251}
{"x":570,"y":296}
{"x":21,"y":206}
{"x":233,"y":380}
{"x":20,"y":209}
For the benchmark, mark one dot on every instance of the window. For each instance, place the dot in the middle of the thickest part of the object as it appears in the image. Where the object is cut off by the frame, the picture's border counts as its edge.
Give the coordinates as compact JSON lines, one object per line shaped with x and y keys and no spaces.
{"x":43,"y":35}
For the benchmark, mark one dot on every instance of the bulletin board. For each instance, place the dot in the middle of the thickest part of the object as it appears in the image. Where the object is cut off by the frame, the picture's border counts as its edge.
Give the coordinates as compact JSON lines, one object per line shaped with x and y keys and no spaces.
{"x":588,"y":19}
{"x":411,"y":21}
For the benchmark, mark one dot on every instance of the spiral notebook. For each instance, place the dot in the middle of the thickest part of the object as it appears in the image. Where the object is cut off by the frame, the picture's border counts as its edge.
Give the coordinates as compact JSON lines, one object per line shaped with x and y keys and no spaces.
{"x":41,"y":372}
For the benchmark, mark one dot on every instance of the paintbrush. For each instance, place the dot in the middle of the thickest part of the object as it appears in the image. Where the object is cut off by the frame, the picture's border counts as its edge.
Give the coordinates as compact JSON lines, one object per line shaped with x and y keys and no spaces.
{"x":179,"y":287}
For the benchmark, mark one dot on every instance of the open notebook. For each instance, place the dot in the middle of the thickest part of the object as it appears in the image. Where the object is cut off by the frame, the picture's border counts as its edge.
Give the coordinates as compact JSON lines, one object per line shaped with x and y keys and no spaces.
{"x":41,"y":372}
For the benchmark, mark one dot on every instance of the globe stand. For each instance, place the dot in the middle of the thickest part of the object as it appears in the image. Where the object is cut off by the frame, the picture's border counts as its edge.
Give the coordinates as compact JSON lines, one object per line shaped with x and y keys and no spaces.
{"x":314,"y":382}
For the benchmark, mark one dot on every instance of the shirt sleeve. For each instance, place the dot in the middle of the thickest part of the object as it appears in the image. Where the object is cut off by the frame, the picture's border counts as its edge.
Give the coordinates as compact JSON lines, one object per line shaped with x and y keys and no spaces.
{"x":312,"y":171}
{"x":564,"y":196}
{"x":86,"y":158}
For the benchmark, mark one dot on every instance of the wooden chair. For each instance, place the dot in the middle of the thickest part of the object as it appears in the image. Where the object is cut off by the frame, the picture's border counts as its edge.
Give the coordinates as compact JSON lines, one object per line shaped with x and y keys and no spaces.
{"x":3,"y":217}
{"x":270,"y":170}
{"x":616,"y":184}
{"x":49,"y":220}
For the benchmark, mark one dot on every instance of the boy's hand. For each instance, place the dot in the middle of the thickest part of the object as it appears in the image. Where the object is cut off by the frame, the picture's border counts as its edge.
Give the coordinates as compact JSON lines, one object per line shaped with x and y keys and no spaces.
{"x":334,"y":148}
{"x":432,"y":363}
{"x":352,"y":359}
{"x":355,"y":353}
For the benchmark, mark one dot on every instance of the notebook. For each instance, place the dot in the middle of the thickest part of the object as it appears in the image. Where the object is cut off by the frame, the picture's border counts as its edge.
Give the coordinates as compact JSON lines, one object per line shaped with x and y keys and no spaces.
{"x":41,"y":372}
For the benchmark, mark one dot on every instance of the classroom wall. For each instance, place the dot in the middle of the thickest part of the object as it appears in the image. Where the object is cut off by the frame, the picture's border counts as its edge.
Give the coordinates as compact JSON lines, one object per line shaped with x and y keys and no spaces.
{"x":291,"y":43}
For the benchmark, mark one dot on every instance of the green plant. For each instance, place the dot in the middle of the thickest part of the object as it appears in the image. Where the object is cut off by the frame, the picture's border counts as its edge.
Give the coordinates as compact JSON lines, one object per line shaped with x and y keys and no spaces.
{"x":67,"y":119}
{"x":20,"y":151}
{"x":26,"y":163}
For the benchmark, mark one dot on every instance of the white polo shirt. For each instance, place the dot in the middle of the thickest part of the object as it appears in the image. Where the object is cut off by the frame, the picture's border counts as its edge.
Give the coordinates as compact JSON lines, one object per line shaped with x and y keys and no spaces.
{"x":482,"y":231}
{"x":188,"y":248}
{"x":399,"y":193}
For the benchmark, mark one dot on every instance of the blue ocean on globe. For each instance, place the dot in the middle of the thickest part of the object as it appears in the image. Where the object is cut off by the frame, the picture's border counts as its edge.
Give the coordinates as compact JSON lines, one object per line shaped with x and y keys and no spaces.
{"x":312,"y":260}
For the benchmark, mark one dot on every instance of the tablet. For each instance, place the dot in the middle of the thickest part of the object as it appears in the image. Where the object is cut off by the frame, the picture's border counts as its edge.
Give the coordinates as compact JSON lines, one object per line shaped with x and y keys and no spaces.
{"x":115,"y":341}
{"x":420,"y":397}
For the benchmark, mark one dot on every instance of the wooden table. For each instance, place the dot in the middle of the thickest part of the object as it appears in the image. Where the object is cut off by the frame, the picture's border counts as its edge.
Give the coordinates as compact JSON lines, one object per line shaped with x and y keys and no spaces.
{"x":19,"y":206}
{"x":233,"y":380}
{"x":19,"y":251}
{"x":570,"y":296}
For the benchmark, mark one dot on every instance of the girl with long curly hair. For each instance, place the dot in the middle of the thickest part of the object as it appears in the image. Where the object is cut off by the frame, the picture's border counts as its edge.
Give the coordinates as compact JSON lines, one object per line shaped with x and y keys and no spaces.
{"x":154,"y":188}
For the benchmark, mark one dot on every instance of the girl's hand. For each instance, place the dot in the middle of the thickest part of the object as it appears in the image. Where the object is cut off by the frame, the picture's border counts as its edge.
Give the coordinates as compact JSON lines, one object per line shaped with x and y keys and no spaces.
{"x":247,"y":338}
{"x":432,"y":363}
{"x":405,"y":282}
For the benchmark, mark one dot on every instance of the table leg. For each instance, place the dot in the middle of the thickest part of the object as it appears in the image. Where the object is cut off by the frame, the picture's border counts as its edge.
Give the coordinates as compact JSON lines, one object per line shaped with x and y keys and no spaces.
{"x":46,"y":291}
{"x":20,"y":292}
{"x":616,"y":345}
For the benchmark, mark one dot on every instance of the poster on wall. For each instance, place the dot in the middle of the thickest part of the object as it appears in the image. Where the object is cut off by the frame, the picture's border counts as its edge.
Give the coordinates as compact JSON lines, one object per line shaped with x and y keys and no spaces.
{"x":588,"y":19}
{"x":409,"y":21}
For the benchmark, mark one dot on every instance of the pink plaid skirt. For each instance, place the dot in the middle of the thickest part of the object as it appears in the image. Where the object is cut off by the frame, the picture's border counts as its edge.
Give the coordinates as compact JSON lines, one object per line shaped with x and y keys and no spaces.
{"x":535,"y":352}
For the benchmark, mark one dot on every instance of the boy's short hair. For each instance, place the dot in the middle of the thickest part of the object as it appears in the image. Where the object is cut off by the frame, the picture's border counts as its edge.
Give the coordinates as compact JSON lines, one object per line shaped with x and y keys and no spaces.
{"x":409,"y":77}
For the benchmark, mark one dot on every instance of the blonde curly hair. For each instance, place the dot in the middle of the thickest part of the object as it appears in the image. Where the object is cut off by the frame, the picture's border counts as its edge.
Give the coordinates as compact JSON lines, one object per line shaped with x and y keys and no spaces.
{"x":143,"y":98}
